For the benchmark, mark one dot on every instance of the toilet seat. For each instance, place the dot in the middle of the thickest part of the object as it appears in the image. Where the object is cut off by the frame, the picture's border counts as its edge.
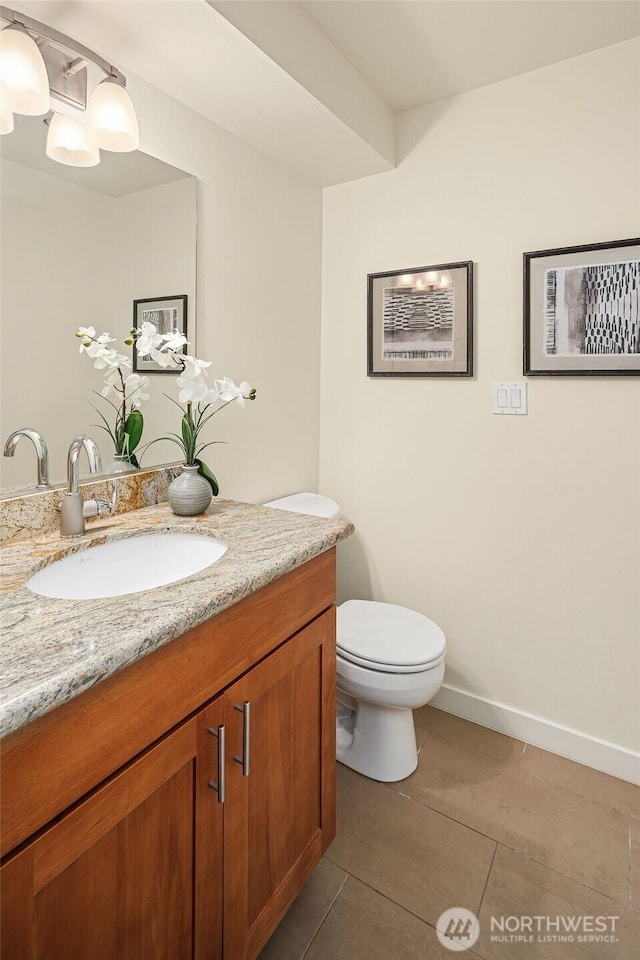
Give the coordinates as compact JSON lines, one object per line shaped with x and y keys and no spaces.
{"x":388,"y":638}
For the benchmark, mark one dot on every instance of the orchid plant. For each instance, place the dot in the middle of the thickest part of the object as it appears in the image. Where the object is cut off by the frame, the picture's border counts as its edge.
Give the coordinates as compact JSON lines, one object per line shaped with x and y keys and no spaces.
{"x":124,"y":391}
{"x":197,"y":401}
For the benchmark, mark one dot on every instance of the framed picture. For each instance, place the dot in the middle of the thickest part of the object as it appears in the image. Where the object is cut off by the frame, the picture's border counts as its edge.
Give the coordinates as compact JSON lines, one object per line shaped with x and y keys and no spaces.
{"x":166,"y":314}
{"x":582,"y":310}
{"x":420,"y":321}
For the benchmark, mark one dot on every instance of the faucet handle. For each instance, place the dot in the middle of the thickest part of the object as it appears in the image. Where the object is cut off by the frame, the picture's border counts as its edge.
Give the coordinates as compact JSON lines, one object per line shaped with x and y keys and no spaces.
{"x":96,"y":507}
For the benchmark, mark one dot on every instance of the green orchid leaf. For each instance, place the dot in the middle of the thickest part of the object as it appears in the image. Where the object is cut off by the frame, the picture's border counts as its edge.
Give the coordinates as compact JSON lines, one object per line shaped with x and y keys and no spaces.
{"x":186,"y":432}
{"x":133,"y":426}
{"x":134,"y":460}
{"x":204,"y":471}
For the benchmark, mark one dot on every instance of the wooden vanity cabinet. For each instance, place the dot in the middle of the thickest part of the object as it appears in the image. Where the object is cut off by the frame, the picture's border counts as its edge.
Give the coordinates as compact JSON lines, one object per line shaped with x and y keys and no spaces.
{"x":151,"y":864}
{"x":281,"y":816}
{"x":121,"y":874}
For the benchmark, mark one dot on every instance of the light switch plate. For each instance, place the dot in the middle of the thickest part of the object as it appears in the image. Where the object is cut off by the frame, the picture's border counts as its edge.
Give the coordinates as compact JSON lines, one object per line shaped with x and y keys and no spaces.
{"x":509,"y":397}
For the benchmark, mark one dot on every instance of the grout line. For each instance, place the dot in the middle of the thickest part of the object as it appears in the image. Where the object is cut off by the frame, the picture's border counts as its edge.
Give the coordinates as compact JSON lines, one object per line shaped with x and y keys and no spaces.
{"x":502,"y":843}
{"x":567,"y":876}
{"x":326,"y":914}
{"x":524,"y":747}
{"x":576,"y":793}
{"x":630,"y":865}
{"x":486,"y":883}
{"x":396,"y":903}
{"x":406,"y":909}
{"x":447,"y":816}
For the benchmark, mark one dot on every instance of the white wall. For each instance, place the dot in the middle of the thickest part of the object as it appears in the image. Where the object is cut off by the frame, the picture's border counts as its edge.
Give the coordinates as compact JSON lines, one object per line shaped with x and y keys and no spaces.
{"x":519,"y":535}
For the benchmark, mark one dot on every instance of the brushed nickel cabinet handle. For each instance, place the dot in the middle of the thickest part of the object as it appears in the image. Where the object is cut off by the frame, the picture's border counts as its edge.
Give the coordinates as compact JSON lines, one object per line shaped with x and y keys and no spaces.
{"x":219,"y":785}
{"x":245,"y":710}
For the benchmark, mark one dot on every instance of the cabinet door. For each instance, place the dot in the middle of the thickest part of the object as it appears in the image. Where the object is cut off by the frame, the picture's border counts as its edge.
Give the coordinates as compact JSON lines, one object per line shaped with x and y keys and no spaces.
{"x":280,"y":809}
{"x":115,"y":877}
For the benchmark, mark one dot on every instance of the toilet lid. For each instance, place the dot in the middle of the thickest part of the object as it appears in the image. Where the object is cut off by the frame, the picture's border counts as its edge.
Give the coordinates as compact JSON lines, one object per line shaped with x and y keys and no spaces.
{"x":312,"y":503}
{"x":387,"y":636}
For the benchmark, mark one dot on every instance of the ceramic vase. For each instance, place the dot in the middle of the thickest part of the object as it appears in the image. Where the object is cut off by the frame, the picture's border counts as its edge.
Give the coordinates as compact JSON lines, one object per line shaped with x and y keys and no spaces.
{"x":120,"y":465}
{"x":189,"y":494}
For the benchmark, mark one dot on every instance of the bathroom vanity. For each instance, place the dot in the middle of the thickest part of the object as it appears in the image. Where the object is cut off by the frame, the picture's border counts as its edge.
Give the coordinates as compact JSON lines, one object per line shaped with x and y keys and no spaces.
{"x":175,"y":787}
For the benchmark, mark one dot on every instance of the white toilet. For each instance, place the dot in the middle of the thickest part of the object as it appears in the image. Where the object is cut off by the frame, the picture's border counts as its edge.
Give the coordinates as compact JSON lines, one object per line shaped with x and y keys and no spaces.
{"x":390,"y":660}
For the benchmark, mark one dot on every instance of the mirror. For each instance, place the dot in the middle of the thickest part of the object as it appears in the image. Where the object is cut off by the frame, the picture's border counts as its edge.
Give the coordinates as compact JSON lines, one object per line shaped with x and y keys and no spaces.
{"x":79,"y":245}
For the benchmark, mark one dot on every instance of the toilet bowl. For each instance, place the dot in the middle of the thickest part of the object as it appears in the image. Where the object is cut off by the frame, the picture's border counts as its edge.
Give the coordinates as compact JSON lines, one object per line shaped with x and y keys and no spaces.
{"x":389,"y":662}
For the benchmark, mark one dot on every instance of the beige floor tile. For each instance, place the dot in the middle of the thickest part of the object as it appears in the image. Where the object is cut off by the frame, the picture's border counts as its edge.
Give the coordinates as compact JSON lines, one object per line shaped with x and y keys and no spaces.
{"x":412,"y":855}
{"x":594,"y":784}
{"x":306,"y":914}
{"x":634,"y":873}
{"x":519,"y":887}
{"x":469,"y":735}
{"x":583,"y":839}
{"x":363,"y":925}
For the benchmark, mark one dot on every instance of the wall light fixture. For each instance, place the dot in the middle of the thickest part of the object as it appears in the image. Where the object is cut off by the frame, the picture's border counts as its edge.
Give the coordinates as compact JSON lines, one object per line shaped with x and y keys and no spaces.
{"x":37,"y":63}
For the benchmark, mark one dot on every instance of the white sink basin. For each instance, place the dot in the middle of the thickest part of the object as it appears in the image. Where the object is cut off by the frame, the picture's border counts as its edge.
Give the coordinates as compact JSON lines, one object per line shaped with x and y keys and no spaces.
{"x":121,"y":567}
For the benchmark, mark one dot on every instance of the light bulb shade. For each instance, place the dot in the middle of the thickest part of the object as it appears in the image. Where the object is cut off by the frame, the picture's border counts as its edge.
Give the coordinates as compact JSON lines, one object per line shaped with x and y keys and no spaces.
{"x":71,"y":143}
{"x":23,"y":71}
{"x":6,"y":110}
{"x":111,"y":116}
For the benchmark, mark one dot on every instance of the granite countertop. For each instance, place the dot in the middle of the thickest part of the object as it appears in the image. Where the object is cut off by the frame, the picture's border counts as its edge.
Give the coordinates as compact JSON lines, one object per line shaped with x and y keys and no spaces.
{"x":53,"y":650}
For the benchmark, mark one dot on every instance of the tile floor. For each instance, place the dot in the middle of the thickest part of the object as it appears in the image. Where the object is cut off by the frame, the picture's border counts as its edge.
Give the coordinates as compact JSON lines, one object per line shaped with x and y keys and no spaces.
{"x":487,"y":823}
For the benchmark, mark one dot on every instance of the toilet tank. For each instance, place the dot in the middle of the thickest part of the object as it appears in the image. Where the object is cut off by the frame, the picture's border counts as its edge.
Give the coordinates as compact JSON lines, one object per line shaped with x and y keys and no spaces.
{"x":311,"y":503}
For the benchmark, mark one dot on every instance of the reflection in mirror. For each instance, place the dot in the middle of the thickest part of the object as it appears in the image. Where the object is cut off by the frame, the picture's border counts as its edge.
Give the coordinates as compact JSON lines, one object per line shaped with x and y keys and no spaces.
{"x":79,"y":245}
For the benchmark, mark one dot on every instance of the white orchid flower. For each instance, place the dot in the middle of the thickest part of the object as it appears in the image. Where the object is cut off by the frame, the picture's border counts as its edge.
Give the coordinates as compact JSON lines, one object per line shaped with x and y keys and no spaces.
{"x":111,"y":384}
{"x":244,"y":393}
{"x":194,"y":367}
{"x":87,"y":336}
{"x":193,"y":389}
{"x":105,"y":357}
{"x":173,"y":341}
{"x":227,"y":390}
{"x":149,"y":339}
{"x":162,"y":358}
{"x":136,"y":389}
{"x":89,"y":342}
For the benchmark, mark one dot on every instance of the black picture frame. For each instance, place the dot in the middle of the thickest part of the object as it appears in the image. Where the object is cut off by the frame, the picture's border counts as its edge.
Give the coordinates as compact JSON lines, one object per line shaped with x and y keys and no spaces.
{"x":582,"y":310}
{"x":175,"y":318}
{"x":420,"y":321}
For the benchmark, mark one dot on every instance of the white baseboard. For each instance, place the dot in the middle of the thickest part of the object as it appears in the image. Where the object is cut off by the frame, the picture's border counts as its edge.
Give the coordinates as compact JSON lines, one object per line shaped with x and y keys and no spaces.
{"x":617,"y":761}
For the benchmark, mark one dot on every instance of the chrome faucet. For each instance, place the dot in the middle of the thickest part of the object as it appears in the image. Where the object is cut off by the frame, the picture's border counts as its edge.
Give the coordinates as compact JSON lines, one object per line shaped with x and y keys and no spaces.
{"x":41,"y":451}
{"x":75,"y":510}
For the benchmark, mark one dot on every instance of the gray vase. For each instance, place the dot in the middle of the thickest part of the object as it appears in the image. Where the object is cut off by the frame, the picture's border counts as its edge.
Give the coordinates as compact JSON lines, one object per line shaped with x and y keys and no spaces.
{"x":121,"y":464}
{"x":189,"y":494}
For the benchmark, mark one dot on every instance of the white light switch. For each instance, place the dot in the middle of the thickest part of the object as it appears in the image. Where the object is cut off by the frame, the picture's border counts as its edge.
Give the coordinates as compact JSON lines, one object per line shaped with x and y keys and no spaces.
{"x":509,"y":397}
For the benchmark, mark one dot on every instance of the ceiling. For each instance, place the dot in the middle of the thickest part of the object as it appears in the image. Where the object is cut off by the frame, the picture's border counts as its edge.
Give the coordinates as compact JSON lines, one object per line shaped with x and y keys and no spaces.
{"x":414,"y":52}
{"x":317,"y":85}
